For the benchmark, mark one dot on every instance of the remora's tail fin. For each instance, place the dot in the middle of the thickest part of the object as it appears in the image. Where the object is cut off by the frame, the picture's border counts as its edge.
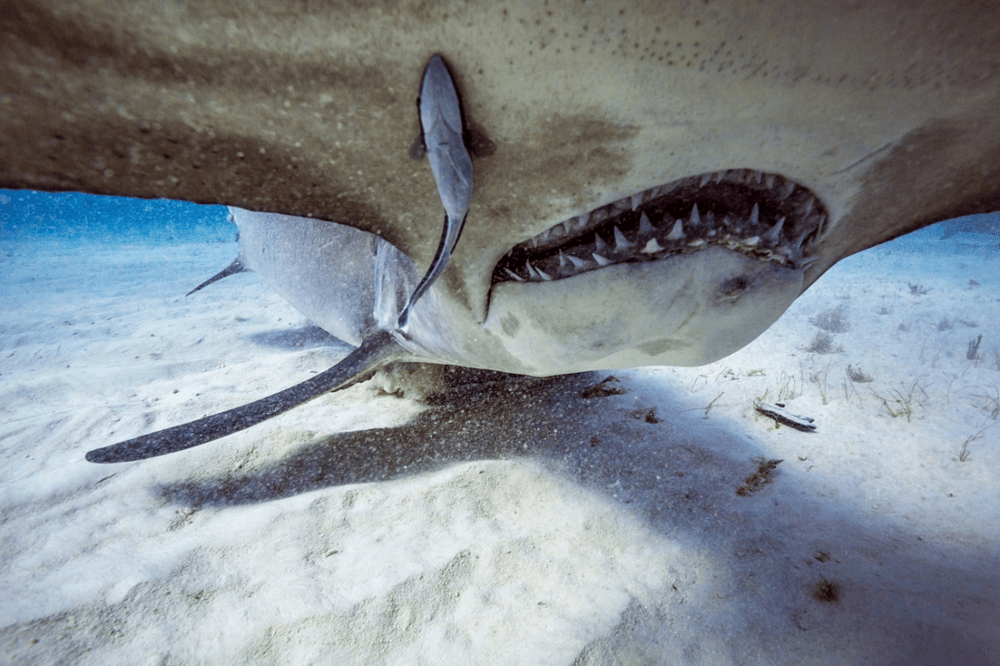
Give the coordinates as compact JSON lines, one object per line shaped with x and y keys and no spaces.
{"x":375,"y":351}
{"x":232,"y":269}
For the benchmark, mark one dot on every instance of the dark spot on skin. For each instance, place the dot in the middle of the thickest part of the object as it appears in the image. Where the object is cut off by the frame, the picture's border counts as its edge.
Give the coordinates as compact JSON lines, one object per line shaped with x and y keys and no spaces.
{"x":826,"y":591}
{"x":733,"y":287}
{"x":510,"y":324}
{"x":657,"y":347}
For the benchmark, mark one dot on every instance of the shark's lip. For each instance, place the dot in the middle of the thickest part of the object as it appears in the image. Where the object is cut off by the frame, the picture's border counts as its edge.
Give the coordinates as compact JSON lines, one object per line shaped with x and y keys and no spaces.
{"x":763,"y":215}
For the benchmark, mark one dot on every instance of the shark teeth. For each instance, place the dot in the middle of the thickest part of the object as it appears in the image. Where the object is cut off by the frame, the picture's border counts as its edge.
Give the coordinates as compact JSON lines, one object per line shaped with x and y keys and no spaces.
{"x":645,"y":226}
{"x":622,"y":244}
{"x":651,"y":247}
{"x":762,"y":215}
{"x":786,"y":190}
{"x":774,"y":235}
{"x":677,"y":233}
{"x":600,"y":244}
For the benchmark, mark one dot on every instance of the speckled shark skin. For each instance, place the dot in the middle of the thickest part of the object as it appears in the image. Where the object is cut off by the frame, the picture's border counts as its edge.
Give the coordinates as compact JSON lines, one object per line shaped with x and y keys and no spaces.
{"x":668,"y":177}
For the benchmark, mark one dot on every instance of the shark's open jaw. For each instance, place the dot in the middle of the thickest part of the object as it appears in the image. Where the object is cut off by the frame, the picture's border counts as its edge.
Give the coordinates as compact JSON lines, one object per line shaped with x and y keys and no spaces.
{"x":762,"y":215}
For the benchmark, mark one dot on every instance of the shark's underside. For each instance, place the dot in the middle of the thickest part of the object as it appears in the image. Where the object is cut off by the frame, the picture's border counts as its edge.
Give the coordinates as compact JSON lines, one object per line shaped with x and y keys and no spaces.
{"x":667,"y":176}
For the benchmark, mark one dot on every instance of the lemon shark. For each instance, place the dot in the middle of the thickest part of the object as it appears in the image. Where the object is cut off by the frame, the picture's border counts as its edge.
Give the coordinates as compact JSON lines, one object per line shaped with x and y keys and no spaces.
{"x":655,"y":182}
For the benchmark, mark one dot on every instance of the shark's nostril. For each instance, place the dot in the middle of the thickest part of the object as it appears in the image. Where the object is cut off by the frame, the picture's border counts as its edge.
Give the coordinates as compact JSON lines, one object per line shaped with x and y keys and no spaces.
{"x":763,"y":215}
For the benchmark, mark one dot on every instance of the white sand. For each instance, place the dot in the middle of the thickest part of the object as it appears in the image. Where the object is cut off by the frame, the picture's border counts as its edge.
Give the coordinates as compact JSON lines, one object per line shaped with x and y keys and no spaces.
{"x":512,"y":520}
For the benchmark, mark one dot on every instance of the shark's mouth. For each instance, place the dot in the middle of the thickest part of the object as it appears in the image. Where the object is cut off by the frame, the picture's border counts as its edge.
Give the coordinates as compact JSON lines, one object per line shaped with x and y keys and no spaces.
{"x":762,"y":215}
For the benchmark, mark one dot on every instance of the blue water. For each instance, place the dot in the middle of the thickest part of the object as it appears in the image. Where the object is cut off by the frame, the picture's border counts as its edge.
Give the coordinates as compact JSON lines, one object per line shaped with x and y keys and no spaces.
{"x":27,"y":214}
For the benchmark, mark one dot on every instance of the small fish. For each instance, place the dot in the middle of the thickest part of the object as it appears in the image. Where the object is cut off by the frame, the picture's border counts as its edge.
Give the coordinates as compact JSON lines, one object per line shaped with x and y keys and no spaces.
{"x":442,"y":133}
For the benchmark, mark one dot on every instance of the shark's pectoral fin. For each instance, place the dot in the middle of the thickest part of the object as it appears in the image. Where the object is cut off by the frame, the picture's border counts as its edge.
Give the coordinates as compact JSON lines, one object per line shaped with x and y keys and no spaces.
{"x":232,"y":269}
{"x":374,"y":352}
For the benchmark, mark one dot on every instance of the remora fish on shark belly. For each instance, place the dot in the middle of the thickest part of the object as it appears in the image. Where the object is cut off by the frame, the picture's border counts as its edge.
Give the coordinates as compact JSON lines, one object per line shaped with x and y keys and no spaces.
{"x":442,"y":131}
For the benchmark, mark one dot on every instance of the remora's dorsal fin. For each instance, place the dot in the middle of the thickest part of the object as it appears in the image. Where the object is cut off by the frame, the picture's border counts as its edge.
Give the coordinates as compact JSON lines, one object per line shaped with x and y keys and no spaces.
{"x":232,"y":269}
{"x":374,"y":352}
{"x":443,"y":132}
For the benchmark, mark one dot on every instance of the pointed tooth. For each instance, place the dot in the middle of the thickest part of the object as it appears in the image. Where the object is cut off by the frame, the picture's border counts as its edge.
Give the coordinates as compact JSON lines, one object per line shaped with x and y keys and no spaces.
{"x":577,"y":262}
{"x":797,"y":246}
{"x":756,"y":176}
{"x":695,"y":217}
{"x":720,"y":176}
{"x":705,"y":179}
{"x":545,"y":276}
{"x":581,"y":220}
{"x":755,"y":215}
{"x":821,"y":225}
{"x":544,"y":236}
{"x":769,"y":180}
{"x":807,"y":208}
{"x":774,"y":235}
{"x":562,"y":260}
{"x":652,"y":247}
{"x":600,"y":244}
{"x":753,"y":241}
{"x":622,"y":244}
{"x":786,"y":190}
{"x":601,"y":261}
{"x":623,"y":205}
{"x":637,"y":200}
{"x":532,"y":273}
{"x":514,"y":275}
{"x":677,"y":233}
{"x":645,"y":227}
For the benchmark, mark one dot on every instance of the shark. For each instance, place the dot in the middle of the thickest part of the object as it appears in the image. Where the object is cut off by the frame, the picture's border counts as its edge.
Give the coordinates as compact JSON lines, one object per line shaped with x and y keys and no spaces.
{"x":662,"y":179}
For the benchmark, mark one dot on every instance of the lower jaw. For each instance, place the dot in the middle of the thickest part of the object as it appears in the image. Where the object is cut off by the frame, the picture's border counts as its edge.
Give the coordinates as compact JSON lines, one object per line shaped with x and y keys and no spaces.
{"x":681,"y":310}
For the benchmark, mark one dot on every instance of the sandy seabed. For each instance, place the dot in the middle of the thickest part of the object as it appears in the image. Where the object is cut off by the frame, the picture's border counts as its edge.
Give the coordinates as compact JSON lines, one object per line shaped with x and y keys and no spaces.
{"x":502,"y":520}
